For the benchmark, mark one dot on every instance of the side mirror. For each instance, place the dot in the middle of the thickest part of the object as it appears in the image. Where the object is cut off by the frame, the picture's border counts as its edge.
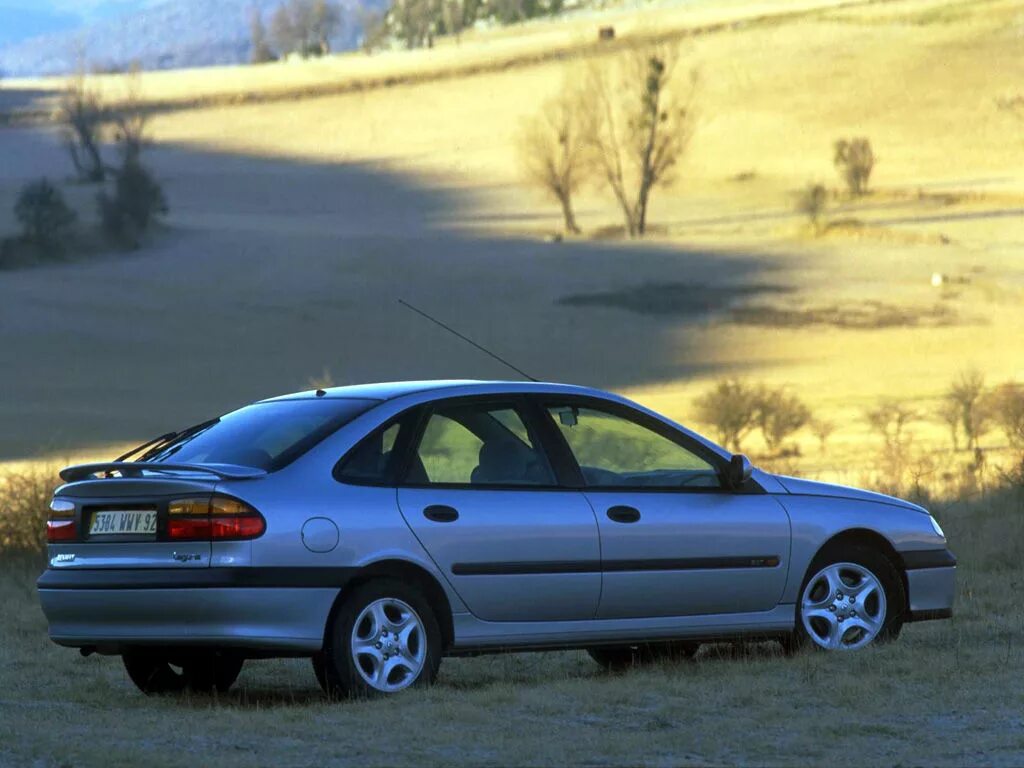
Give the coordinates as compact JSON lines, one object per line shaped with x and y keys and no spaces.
{"x":739,"y":471}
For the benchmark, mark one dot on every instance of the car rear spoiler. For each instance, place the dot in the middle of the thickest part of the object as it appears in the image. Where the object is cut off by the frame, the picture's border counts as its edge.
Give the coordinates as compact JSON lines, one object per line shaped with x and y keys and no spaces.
{"x":137,"y":468}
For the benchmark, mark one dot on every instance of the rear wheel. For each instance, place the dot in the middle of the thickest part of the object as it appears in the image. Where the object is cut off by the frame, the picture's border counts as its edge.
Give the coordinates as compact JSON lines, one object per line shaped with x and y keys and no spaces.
{"x":853,"y":596}
{"x":620,"y":657}
{"x":157,"y":673}
{"x":384,"y":639}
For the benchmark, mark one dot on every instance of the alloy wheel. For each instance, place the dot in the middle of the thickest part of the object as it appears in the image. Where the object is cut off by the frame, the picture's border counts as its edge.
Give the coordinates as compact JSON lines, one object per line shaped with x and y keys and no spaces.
{"x":389,"y":645}
{"x":843,"y":607}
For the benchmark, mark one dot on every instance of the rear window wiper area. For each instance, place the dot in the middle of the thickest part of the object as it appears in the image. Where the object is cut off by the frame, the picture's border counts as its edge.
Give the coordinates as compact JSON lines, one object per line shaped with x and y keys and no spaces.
{"x":160,"y":442}
{"x":142,"y":468}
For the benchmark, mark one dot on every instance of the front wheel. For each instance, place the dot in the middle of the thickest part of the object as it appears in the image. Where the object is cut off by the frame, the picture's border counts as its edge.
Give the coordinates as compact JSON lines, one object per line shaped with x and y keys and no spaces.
{"x":157,"y":673}
{"x":384,"y":639}
{"x":852,"y":597}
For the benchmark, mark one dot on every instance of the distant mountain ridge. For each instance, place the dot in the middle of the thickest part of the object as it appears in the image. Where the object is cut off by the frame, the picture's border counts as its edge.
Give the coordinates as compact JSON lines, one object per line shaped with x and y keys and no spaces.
{"x":158,"y":34}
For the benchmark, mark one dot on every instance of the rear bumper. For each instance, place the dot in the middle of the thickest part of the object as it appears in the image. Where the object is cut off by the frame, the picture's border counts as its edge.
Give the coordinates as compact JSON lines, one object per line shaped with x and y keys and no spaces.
{"x":85,"y":612}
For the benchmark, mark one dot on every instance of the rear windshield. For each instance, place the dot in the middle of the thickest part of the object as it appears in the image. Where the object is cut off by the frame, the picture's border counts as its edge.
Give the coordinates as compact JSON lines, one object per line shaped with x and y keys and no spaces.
{"x":263,"y":435}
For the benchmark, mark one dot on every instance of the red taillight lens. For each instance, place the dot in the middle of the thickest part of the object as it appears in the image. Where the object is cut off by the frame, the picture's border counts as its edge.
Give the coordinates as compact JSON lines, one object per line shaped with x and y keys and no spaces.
{"x":218,"y":518}
{"x":61,"y":525}
{"x":58,"y":531}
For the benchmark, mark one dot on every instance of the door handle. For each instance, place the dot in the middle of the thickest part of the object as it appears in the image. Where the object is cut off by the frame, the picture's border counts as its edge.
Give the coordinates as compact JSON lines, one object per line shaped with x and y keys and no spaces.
{"x":441,"y":513}
{"x":623,"y":514}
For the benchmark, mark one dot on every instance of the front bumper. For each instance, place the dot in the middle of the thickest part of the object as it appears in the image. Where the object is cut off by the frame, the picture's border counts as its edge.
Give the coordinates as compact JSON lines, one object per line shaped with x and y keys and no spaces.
{"x":931,"y":584}
{"x":108,"y":618}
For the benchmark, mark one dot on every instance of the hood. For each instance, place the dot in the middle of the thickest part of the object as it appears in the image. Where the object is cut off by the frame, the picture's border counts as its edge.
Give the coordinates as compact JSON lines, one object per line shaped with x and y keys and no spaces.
{"x":800,"y":487}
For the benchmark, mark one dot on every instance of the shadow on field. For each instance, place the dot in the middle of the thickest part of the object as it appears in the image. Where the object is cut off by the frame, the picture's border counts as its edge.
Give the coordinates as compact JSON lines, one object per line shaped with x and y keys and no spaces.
{"x":273,"y":271}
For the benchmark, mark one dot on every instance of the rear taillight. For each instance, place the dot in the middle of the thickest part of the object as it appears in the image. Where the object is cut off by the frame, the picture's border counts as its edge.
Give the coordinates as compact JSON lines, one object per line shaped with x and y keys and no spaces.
{"x":60,"y":527}
{"x":217,"y":518}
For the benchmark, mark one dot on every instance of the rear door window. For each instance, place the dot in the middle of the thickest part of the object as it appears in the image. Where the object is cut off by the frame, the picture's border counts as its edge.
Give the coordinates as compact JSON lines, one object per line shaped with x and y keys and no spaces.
{"x":479,"y":444}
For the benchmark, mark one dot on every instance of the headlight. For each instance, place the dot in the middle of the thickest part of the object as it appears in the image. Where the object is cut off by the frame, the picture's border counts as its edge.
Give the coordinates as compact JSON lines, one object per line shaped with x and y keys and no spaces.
{"x":936,"y":527}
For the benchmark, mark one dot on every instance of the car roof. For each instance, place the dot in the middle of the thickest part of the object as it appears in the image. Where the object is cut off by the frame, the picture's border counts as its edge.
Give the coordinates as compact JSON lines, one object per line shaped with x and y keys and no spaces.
{"x":393,"y":389}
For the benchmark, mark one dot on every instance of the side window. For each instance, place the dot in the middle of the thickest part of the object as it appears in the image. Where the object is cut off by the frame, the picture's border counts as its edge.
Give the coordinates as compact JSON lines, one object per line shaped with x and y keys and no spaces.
{"x":478,"y":445}
{"x":372,"y":460}
{"x":614,"y":451}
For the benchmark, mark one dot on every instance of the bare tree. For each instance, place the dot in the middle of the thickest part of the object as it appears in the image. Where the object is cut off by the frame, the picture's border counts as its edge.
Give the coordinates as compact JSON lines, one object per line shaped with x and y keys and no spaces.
{"x":260,"y":51}
{"x":283,"y":31}
{"x":889,"y":419}
{"x":779,"y":415}
{"x":130,"y":120}
{"x":948,"y":413}
{"x":553,"y":151}
{"x":967,"y":395}
{"x":325,"y":21}
{"x":1007,"y":407}
{"x":811,"y":203}
{"x":731,"y":409}
{"x":854,"y":159}
{"x":81,"y":114}
{"x":822,"y":429}
{"x":640,"y":126}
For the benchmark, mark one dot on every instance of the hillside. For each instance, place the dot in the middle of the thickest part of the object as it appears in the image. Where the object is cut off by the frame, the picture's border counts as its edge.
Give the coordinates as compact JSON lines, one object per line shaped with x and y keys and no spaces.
{"x":297,"y":223}
{"x":159,"y":34}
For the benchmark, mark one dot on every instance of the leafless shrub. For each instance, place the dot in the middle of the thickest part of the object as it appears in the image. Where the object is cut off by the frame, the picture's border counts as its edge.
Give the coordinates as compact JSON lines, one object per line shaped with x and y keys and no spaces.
{"x":24,"y":505}
{"x":948,"y":413}
{"x":889,"y":420}
{"x":1006,"y":406}
{"x":822,"y":429}
{"x":779,"y":415}
{"x":639,"y":125}
{"x":730,"y":408}
{"x":967,"y":396}
{"x":554,"y":153}
{"x":130,"y":121}
{"x":304,"y":27}
{"x":260,"y":51}
{"x":811,"y":202}
{"x":81,"y":114}
{"x":854,"y":159}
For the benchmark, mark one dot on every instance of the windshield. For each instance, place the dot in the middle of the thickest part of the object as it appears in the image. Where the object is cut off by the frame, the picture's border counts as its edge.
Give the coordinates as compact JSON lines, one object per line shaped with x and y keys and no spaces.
{"x":266,"y":435}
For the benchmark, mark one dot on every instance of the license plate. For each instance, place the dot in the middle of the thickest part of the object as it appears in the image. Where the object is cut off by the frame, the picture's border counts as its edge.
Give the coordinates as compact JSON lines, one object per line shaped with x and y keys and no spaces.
{"x":124,"y":522}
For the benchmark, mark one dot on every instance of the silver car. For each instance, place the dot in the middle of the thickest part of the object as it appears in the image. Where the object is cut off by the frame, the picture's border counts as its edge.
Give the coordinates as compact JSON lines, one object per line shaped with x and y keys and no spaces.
{"x":378,"y":528}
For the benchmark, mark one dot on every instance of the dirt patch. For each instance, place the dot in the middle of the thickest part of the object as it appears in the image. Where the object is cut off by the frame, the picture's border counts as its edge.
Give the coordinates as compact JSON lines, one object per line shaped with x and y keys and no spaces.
{"x":673,"y":299}
{"x":861,"y":315}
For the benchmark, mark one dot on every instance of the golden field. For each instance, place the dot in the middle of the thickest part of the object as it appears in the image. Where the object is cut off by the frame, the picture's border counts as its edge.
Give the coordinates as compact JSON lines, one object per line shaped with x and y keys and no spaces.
{"x":297,"y":223}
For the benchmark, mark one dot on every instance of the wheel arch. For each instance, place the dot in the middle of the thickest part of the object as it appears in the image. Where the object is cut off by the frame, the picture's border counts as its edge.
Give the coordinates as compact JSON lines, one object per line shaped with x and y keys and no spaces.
{"x":864,"y":537}
{"x":410,"y":573}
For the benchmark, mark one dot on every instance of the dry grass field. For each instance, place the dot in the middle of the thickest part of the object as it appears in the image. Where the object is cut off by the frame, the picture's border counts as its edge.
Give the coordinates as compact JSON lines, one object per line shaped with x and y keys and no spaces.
{"x":306,"y":199}
{"x":945,"y":694}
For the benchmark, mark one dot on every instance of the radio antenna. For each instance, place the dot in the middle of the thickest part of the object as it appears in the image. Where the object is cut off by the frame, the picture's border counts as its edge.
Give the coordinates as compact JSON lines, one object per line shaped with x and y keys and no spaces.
{"x":466,"y":339}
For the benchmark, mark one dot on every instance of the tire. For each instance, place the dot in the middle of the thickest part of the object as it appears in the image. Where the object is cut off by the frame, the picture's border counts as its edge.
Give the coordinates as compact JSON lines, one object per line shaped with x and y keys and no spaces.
{"x":829,"y":614}
{"x":359,"y":662}
{"x":616,"y":658}
{"x":319,"y":672}
{"x":154,"y":673}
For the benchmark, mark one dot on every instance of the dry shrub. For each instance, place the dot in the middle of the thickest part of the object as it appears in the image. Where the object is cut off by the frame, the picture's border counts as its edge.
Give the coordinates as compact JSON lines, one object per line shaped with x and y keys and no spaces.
{"x":854,"y":159}
{"x":779,"y":415}
{"x":1006,"y":406}
{"x":24,"y":505}
{"x":730,"y":409}
{"x":811,"y":202}
{"x":46,"y":220}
